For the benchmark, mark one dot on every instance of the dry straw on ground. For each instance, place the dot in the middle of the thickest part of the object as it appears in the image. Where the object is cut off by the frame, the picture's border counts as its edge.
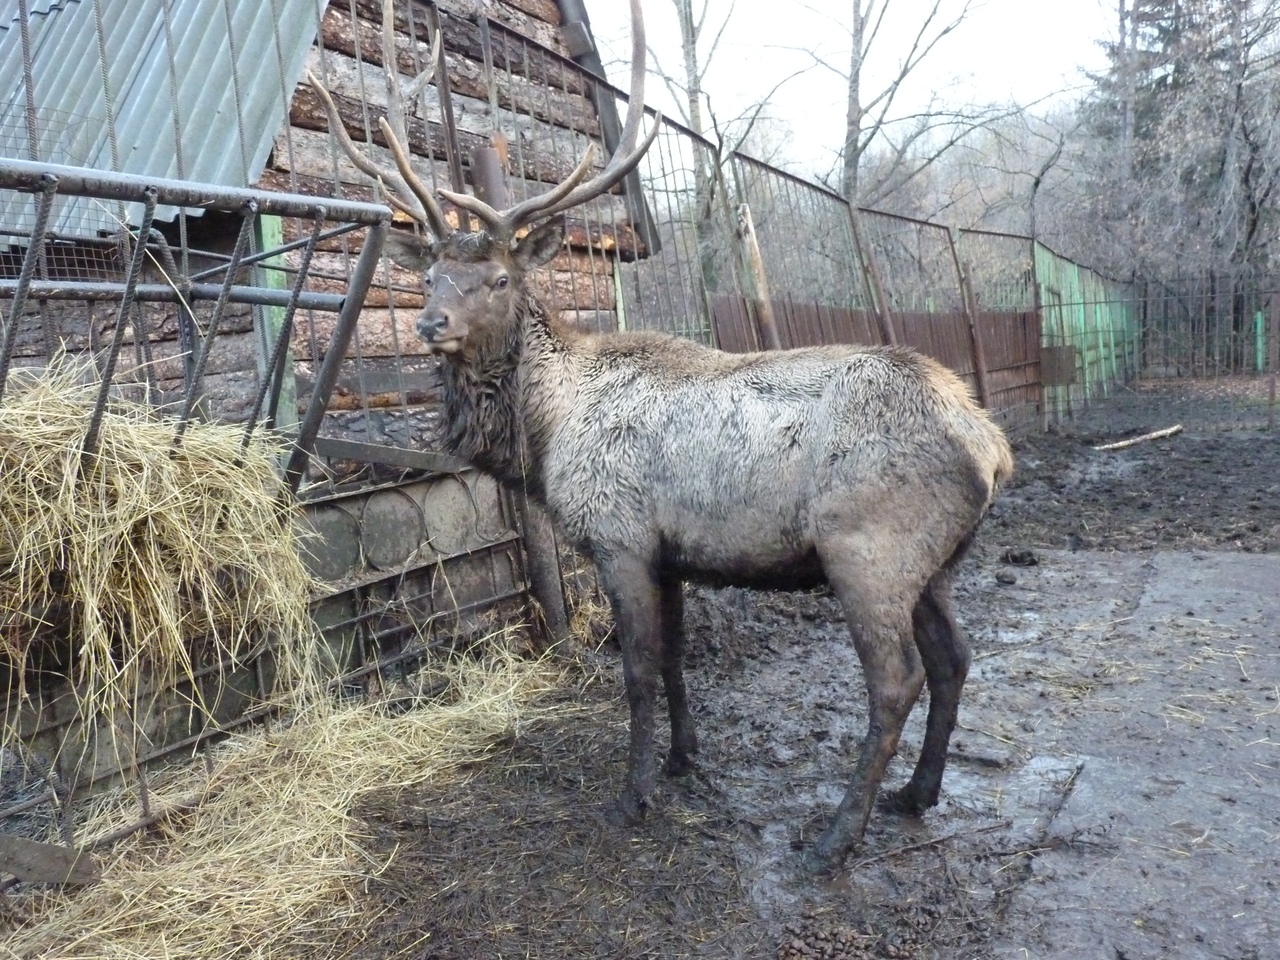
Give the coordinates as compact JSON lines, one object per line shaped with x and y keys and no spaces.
{"x":118,"y":561}
{"x":270,"y":865}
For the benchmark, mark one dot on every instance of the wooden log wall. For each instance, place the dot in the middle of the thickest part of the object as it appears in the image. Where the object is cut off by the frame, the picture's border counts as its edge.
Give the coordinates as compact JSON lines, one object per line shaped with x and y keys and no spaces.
{"x":543,"y":110}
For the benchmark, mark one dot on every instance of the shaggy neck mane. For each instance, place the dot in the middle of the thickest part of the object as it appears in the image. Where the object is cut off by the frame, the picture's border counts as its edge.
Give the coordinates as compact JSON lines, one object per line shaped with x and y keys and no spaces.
{"x":485,"y":412}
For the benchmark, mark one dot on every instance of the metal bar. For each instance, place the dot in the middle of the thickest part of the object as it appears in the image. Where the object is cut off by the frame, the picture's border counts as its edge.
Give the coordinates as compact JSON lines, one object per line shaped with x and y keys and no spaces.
{"x":429,"y":460}
{"x":273,"y":372}
{"x":163,"y":293}
{"x":143,"y":353}
{"x":774,"y":171}
{"x":84,"y":182}
{"x":418,"y":626}
{"x":28,"y":804}
{"x":276,"y":251}
{"x":48,"y":323}
{"x":47,"y":188}
{"x":117,"y":337}
{"x":327,"y":375}
{"x":453,"y":154}
{"x":979,"y":231}
{"x":197,"y":374}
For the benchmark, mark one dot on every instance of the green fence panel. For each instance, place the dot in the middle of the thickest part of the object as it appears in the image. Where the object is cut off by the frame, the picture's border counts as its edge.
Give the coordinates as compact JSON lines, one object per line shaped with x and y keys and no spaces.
{"x":1094,"y":314}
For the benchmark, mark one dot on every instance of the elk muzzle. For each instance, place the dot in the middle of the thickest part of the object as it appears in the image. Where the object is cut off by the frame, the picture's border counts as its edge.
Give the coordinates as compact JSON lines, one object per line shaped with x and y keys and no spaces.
{"x":441,"y":330}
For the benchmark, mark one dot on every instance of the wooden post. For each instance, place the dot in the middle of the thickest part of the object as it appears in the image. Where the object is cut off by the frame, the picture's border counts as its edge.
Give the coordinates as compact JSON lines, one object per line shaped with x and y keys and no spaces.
{"x":871,"y":276}
{"x":1273,"y":359}
{"x":283,"y":414}
{"x":969,"y":304}
{"x":755,"y":261}
{"x":541,"y":551}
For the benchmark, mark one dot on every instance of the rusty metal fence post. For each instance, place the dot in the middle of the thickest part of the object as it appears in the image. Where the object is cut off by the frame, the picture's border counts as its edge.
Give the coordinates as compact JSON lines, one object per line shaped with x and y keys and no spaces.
{"x":871,"y":276}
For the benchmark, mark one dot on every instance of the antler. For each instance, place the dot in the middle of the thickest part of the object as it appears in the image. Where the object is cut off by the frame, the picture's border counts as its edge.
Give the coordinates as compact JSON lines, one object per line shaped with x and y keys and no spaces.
{"x":503,"y":224}
{"x":404,"y":190}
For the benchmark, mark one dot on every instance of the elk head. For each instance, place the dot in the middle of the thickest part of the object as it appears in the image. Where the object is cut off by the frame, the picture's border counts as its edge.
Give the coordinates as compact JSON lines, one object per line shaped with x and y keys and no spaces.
{"x":474,"y":282}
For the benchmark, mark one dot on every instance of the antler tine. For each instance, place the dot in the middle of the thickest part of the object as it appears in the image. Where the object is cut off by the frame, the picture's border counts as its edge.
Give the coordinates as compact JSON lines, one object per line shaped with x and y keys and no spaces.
{"x":416,"y":202}
{"x":506,"y":222}
{"x":572,"y":191}
{"x":609,"y":178}
{"x":433,"y":215}
{"x":353,"y":152}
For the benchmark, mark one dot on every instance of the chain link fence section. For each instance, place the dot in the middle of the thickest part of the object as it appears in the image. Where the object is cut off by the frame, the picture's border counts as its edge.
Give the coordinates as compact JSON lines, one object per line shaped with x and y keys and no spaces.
{"x":1206,"y":356}
{"x":806,"y":239}
{"x":1000,"y":271}
{"x":920,"y":275}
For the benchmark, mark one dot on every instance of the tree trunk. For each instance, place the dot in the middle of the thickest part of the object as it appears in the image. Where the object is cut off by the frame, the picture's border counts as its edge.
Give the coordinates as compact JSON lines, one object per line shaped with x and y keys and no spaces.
{"x":853,"y":115}
{"x":689,"y":49}
{"x":704,"y":183}
{"x":1128,"y":80}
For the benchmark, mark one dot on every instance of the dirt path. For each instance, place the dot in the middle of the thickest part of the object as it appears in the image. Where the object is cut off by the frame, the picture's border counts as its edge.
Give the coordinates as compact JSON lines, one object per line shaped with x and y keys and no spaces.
{"x":1110,"y":791}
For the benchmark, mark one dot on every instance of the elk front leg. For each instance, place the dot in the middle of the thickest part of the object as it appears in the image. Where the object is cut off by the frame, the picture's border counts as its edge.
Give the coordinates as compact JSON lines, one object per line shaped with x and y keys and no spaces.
{"x":684,"y":740}
{"x":631,"y":584}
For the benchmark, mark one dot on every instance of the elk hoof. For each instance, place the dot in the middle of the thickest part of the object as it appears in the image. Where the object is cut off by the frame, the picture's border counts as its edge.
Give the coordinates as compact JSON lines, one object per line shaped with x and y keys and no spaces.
{"x":678,"y":765}
{"x":827,"y":853}
{"x":906,"y":802}
{"x":628,"y":810}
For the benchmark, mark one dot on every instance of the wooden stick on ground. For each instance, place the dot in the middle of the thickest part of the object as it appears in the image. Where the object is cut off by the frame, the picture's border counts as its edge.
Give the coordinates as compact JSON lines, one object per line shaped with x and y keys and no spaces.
{"x":1154,"y":435}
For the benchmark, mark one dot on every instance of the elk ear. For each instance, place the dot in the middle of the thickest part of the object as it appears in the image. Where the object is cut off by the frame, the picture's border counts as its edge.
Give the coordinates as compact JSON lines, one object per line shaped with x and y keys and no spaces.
{"x":409,"y":250}
{"x":540,"y":244}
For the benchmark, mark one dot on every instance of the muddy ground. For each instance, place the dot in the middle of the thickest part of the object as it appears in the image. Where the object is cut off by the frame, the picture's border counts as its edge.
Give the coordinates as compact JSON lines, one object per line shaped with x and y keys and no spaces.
{"x":1110,"y":792}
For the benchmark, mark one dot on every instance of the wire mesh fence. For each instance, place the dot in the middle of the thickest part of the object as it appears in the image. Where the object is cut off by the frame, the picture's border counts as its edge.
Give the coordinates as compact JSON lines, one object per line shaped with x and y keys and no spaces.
{"x":1196,"y":353}
{"x":814,"y":274}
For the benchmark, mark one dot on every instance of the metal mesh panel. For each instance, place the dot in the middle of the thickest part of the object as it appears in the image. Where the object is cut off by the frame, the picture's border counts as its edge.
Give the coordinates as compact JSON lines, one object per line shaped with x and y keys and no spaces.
{"x":806,"y":236}
{"x":1202,"y":352}
{"x":1001,"y":269}
{"x":916,"y":262}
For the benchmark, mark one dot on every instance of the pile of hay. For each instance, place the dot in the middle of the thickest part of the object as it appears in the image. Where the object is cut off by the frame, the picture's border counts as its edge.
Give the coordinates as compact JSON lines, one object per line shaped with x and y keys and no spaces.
{"x":112,"y":565}
{"x":270,"y":863}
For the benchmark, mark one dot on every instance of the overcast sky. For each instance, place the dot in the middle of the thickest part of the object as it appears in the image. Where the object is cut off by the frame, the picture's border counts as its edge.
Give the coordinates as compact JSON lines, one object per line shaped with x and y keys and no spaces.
{"x":1020,"y":50}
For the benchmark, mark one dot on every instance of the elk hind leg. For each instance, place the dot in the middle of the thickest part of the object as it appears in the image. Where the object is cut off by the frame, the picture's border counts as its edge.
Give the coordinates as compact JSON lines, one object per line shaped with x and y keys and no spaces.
{"x":946,"y":655}
{"x":684,"y":739}
{"x":878,"y":612}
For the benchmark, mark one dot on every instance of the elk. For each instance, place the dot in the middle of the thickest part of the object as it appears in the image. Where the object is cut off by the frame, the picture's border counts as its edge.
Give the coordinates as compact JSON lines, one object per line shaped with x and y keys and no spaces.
{"x":868,"y":469}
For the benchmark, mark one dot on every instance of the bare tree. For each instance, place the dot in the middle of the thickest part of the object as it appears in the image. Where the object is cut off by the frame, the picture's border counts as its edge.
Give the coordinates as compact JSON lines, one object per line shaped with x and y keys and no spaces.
{"x":1187,"y":141}
{"x":904,"y":145}
{"x":688,"y":87}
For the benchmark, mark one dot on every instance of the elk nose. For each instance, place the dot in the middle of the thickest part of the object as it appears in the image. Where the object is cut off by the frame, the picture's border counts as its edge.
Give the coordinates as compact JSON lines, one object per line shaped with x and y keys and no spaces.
{"x":431,"y":324}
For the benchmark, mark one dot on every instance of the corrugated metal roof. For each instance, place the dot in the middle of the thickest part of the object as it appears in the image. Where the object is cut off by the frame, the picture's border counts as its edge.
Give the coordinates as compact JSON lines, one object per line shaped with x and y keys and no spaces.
{"x":9,"y":9}
{"x":221,"y":142}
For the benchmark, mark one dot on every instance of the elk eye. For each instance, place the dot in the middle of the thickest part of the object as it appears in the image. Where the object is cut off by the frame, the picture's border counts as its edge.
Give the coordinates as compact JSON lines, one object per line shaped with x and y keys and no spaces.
{"x":501,"y":283}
